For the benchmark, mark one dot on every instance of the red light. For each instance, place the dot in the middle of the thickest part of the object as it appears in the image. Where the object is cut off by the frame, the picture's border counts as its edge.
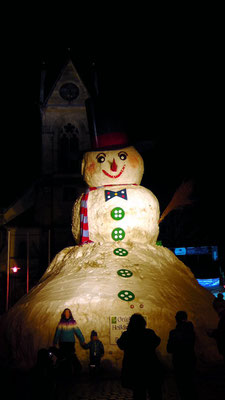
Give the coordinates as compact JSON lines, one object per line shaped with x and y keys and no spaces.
{"x":15,"y":269}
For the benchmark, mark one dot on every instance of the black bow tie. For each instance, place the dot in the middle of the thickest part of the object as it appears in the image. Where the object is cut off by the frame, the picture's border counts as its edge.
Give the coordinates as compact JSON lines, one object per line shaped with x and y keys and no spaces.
{"x":109,"y":194}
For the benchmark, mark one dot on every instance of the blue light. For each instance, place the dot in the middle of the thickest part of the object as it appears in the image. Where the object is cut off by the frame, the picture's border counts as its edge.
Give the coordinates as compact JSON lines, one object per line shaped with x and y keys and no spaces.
{"x":198,"y":250}
{"x":218,"y":290}
{"x":209,"y":282}
{"x":215,"y":253}
{"x":180,"y":251}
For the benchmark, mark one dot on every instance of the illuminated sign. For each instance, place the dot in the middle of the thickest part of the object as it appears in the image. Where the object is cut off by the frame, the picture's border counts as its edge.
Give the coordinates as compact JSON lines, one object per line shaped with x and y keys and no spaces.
{"x":200,"y":250}
{"x":180,"y":251}
{"x":118,"y":324}
{"x":209,"y":282}
{"x":215,"y":253}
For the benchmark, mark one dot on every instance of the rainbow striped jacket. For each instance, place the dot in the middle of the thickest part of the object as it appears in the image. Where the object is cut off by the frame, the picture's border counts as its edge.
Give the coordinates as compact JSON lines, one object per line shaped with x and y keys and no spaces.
{"x":66,"y":331}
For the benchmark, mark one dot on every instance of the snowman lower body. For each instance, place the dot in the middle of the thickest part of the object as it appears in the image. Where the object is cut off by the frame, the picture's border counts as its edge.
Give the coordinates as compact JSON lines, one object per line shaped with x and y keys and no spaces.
{"x":103,"y":285}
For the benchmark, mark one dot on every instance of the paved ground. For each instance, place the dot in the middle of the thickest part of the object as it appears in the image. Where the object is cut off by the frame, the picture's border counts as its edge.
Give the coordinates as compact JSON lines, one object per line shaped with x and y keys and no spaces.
{"x":210,"y":384}
{"x":104,"y":390}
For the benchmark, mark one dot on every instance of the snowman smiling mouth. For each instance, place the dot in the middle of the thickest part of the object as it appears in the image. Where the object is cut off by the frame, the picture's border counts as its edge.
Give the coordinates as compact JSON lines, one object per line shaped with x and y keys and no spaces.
{"x":114,"y":176}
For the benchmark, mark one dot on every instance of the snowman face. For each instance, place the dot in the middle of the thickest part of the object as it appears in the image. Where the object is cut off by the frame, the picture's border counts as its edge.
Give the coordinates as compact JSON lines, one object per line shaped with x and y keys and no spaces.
{"x":112,"y":167}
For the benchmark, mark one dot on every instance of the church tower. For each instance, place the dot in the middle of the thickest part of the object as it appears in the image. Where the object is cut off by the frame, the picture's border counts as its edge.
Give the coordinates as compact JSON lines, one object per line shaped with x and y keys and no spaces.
{"x":64,"y":124}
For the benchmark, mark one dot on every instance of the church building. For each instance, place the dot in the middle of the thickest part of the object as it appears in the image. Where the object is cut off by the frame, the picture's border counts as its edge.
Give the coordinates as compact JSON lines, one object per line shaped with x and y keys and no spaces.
{"x":38,"y":225}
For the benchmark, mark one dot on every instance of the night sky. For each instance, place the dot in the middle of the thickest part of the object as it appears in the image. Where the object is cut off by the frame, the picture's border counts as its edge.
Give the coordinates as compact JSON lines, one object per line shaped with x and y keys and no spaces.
{"x":168,"y":87}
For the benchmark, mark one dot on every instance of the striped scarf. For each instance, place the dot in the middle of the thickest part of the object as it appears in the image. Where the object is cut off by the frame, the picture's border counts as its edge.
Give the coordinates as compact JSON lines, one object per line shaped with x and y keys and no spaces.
{"x":84,"y":231}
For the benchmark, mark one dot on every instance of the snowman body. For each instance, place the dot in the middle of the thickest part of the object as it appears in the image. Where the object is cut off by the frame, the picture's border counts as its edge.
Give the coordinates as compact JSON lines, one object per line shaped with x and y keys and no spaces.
{"x":117,"y":271}
{"x":124,"y":213}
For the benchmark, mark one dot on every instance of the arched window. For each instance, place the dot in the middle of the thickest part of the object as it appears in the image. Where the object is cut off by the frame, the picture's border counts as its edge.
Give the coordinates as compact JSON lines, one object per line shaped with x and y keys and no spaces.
{"x":68,"y":149}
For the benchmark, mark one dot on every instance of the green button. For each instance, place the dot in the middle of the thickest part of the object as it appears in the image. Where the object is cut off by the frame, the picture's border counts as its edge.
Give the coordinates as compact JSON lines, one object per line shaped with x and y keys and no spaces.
{"x":118,"y":234}
{"x":117,"y":213}
{"x":120,"y":252}
{"x":125,"y":273}
{"x":126,"y":295}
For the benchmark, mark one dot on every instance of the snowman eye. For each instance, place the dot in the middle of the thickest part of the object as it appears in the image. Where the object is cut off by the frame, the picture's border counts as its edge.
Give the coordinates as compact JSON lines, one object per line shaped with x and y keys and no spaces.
{"x":101,"y":158}
{"x":122,"y":155}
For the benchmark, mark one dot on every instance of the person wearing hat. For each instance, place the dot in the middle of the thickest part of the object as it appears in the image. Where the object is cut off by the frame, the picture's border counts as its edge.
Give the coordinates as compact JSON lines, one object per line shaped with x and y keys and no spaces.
{"x":96,"y":349}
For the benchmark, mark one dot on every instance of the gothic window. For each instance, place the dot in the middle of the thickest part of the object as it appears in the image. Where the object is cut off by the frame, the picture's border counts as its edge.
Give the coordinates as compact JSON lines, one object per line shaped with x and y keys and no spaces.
{"x":68,"y":149}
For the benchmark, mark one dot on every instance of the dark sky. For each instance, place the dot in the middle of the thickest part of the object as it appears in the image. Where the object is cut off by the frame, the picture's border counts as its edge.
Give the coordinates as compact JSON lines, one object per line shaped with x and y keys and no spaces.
{"x":169,"y":86}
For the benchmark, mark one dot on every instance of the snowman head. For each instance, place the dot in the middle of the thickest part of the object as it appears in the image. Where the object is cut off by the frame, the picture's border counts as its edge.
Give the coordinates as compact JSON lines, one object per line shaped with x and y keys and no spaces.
{"x":112,"y":167}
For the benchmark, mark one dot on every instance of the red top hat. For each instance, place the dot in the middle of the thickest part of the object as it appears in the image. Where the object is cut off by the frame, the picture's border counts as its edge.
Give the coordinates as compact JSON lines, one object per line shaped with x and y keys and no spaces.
{"x":106,"y":125}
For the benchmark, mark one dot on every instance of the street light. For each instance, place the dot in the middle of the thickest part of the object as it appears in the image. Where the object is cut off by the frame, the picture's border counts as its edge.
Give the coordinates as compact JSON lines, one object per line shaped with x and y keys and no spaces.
{"x":15,"y":269}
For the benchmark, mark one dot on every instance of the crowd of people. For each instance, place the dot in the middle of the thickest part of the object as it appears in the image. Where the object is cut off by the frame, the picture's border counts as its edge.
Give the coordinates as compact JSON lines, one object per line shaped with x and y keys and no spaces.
{"x":142,"y":370}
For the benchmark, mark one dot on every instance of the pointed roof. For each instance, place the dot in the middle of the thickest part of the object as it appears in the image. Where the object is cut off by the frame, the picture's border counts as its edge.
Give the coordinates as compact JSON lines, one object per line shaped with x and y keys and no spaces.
{"x":68,"y":89}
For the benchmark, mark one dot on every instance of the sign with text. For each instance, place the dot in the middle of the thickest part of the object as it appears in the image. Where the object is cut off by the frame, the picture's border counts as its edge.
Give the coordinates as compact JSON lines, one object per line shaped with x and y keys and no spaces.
{"x":118,"y":324}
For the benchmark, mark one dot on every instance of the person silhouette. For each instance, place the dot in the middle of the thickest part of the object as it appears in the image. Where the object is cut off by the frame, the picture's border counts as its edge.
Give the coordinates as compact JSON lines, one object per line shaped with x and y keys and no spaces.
{"x":181,"y":344}
{"x":219,"y":303}
{"x":219,"y":333}
{"x":141,"y":369}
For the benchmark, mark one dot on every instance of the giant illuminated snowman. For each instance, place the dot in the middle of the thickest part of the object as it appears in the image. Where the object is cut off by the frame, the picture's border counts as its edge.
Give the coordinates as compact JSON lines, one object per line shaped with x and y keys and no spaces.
{"x":116,"y":269}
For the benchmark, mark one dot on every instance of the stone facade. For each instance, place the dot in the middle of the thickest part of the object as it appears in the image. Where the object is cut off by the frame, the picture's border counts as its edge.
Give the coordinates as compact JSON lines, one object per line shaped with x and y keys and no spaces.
{"x":64,"y":124}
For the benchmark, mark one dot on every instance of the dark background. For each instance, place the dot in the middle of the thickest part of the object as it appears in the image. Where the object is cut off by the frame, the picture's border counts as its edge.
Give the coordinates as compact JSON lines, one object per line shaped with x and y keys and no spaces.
{"x":168,"y":82}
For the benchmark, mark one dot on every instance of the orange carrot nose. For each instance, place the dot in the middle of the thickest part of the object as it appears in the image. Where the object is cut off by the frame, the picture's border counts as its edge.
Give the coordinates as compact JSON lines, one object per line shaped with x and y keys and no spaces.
{"x":114,"y":166}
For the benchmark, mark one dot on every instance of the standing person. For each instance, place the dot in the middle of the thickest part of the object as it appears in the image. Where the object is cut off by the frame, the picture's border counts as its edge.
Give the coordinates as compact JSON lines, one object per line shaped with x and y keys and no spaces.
{"x":96,"y":352}
{"x":181,"y":344}
{"x":219,"y":303}
{"x":65,"y":337}
{"x":141,"y":369}
{"x":42,"y":377}
{"x":219,"y":333}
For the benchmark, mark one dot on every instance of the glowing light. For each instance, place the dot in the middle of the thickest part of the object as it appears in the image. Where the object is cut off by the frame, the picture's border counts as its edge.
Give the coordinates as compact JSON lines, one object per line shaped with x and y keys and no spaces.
{"x":209,"y":282}
{"x":15,"y":269}
{"x":215,"y":253}
{"x":180,"y":251}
